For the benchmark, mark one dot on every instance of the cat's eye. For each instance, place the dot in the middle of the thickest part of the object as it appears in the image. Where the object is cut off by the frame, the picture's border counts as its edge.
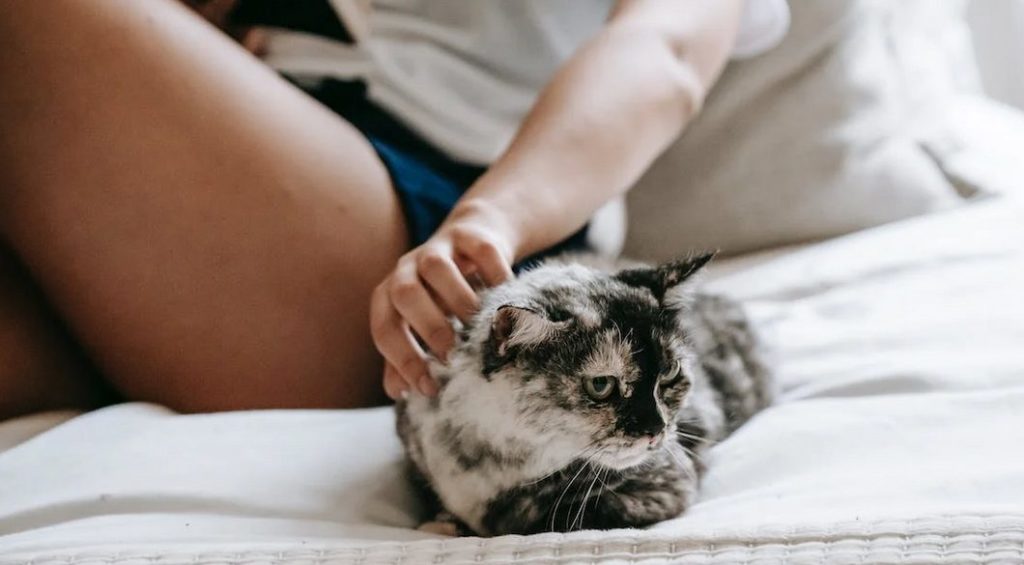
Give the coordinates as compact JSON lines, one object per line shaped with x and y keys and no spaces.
{"x":559,"y":315}
{"x":674,"y":374}
{"x":600,"y":388}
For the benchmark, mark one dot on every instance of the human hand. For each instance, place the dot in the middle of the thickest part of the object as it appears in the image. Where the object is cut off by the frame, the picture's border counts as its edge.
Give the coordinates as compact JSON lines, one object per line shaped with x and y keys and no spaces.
{"x":218,"y":13}
{"x":431,"y":283}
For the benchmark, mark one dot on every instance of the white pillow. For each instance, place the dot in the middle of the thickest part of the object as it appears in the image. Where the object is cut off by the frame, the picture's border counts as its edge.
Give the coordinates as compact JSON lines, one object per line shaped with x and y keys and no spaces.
{"x":814,"y":139}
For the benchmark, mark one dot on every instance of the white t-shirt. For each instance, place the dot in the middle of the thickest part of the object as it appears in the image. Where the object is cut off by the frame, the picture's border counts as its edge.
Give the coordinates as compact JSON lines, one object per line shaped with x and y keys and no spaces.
{"x":464,"y":73}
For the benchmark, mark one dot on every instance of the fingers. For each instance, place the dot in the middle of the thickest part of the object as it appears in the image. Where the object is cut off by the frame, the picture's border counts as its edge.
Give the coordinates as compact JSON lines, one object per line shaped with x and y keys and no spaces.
{"x":216,"y":11}
{"x":440,"y":272}
{"x":428,"y":284}
{"x":219,"y":12}
{"x":254,"y":40}
{"x":395,"y":342}
{"x":412,"y":301}
{"x":488,"y":260}
{"x":394,"y":385}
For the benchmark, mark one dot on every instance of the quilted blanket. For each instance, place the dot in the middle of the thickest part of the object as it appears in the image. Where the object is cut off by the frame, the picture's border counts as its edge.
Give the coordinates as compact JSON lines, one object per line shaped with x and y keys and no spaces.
{"x":897,"y":439}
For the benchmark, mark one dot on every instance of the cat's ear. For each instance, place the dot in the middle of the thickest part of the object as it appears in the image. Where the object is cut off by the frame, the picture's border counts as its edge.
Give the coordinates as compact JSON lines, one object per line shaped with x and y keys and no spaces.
{"x":518,"y":325}
{"x":514,"y":327}
{"x":680,"y":271}
{"x":663,"y":280}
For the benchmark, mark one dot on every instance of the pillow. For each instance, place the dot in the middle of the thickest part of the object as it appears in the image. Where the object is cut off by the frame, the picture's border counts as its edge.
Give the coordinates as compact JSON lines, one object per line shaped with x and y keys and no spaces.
{"x":977,"y":143}
{"x":814,"y":139}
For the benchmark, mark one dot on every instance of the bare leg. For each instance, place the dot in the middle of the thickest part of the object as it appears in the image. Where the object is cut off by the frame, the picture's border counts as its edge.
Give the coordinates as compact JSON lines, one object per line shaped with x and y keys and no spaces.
{"x":209,"y":234}
{"x":41,"y":368}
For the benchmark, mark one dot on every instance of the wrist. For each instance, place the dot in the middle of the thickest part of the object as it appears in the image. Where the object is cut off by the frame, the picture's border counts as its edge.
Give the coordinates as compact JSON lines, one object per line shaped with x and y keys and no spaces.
{"x":532,"y":217}
{"x":497,"y":215}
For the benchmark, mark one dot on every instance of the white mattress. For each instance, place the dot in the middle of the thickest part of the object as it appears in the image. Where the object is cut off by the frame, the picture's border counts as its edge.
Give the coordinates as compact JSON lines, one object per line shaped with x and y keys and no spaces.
{"x":898,"y":439}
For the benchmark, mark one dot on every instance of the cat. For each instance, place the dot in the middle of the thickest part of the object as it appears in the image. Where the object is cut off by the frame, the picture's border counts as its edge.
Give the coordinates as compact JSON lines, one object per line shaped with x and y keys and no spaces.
{"x":582,"y":396}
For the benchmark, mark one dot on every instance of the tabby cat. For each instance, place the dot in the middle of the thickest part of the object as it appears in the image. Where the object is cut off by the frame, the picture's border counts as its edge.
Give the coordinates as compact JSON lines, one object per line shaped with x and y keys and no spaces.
{"x":582,"y":396}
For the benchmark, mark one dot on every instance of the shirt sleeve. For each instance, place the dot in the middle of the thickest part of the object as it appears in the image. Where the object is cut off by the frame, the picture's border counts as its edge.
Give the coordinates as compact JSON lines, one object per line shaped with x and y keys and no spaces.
{"x":763,"y":25}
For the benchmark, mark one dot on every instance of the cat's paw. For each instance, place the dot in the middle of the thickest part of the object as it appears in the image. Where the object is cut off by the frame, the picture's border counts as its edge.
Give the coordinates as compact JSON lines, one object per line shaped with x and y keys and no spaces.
{"x":444,"y":524}
{"x":449,"y":529}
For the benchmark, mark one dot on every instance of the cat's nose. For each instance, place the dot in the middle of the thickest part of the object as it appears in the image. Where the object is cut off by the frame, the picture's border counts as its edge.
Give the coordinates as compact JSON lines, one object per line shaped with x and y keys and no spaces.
{"x":653,"y":441}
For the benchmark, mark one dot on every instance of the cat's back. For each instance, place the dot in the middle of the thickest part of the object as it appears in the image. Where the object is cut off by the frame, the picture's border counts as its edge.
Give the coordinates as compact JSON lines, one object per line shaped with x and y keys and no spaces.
{"x":731,"y":355}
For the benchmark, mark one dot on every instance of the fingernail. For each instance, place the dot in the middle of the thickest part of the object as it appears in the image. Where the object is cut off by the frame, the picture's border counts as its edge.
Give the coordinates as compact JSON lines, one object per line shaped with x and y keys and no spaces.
{"x":427,"y":386}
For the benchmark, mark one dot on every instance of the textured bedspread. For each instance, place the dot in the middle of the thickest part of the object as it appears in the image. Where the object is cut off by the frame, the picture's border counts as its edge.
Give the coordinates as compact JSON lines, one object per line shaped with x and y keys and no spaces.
{"x":898,"y":438}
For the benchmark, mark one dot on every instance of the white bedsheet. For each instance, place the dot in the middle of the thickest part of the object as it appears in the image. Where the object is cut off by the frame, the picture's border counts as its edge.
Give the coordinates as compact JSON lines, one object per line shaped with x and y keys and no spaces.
{"x":897,"y":439}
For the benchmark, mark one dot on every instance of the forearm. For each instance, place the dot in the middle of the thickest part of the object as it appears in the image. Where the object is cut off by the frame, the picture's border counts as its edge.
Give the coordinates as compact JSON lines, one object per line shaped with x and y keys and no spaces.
{"x":602,"y":120}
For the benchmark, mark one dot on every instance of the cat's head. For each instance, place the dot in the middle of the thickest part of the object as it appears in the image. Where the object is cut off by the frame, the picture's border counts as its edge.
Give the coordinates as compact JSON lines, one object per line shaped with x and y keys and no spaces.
{"x":581,"y":359}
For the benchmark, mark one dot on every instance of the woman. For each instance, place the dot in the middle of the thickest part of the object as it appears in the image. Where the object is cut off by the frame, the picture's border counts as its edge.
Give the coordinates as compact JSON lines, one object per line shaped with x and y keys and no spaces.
{"x":206,"y":236}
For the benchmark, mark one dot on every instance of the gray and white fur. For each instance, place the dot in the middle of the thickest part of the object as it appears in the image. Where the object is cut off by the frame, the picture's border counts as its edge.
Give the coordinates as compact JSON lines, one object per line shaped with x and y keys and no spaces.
{"x":582,"y":397}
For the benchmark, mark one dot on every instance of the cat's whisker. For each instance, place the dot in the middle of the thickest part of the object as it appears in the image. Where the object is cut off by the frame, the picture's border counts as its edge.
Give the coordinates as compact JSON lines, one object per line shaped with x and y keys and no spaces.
{"x":607,"y":471}
{"x":706,"y":442}
{"x":674,"y":455}
{"x":586,"y":498}
{"x":549,"y":475}
{"x":685,"y":449}
{"x":683,"y":465}
{"x":554,"y":511}
{"x":604,"y":486}
{"x":579,"y":455}
{"x":681,"y":433}
{"x":576,"y":495}
{"x":589,"y":465}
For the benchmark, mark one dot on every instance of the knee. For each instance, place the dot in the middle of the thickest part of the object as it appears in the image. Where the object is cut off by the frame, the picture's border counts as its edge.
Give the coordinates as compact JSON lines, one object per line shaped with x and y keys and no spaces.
{"x":34,"y":380}
{"x":40,"y":368}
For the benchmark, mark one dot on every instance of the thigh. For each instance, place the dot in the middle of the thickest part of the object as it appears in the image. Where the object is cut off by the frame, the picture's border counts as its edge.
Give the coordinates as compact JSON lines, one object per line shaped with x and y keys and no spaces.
{"x":41,"y":367}
{"x":209,"y":233}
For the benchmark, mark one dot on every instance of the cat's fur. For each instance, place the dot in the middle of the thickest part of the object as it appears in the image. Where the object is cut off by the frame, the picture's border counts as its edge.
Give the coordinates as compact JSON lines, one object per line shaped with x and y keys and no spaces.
{"x":515,"y":443}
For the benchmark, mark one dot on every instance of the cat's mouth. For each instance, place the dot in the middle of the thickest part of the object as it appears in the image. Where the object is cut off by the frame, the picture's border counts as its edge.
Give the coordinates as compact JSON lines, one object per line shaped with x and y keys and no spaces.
{"x":633,"y":452}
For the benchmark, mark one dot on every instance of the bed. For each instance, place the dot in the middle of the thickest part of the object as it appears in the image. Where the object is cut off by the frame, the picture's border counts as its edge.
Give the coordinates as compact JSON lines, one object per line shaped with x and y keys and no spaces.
{"x":900,"y":351}
{"x":896,"y":439}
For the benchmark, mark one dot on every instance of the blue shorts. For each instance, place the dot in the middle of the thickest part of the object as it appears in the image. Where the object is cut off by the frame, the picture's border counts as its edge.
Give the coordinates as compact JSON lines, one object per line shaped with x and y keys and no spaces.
{"x":427,"y":181}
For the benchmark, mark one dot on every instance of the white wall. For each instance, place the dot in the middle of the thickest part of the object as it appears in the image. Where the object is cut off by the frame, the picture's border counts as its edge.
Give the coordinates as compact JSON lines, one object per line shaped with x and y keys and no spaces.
{"x":998,"y":27}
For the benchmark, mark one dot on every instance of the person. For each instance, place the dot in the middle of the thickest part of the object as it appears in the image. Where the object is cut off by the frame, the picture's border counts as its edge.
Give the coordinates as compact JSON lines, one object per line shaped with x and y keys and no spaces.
{"x":182,"y":225}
